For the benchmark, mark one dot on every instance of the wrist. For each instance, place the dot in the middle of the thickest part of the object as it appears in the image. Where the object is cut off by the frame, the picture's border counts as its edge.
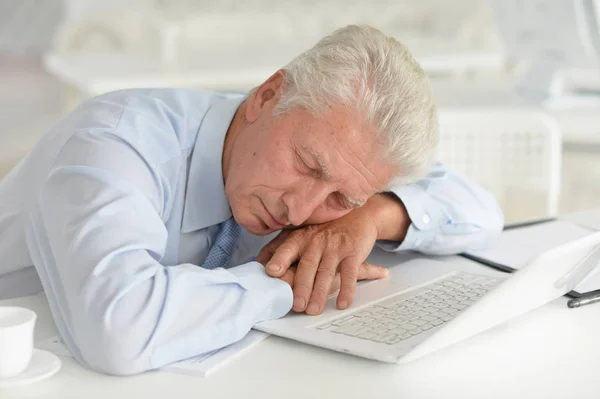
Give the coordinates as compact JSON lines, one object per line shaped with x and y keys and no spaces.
{"x":389,"y":215}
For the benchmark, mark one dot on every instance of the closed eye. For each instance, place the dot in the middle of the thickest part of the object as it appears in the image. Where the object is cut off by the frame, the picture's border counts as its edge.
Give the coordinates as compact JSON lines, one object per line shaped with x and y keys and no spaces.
{"x":305,"y":168}
{"x":340,"y":202}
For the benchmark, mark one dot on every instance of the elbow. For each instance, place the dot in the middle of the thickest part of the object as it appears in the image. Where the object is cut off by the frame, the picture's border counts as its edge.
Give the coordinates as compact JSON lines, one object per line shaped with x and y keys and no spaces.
{"x":115,"y":340}
{"x":118,"y":360}
{"x":112,"y":354}
{"x":114,"y":329}
{"x":490,"y":222}
{"x":478,"y":229}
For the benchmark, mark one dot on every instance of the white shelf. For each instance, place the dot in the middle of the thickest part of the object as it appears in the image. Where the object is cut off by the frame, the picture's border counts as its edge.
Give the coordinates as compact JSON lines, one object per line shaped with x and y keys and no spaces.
{"x":97,"y":73}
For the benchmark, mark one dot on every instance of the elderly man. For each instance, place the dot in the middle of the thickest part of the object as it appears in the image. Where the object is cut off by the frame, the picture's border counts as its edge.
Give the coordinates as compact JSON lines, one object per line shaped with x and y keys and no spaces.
{"x":144,"y":211}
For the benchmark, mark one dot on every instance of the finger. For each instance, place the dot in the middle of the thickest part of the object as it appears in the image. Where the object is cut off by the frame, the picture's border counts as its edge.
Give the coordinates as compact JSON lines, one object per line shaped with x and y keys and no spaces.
{"x":322,"y":286}
{"x":288,"y":276}
{"x":305,"y":276}
{"x":335,"y":284}
{"x":368,"y":271}
{"x":348,"y":276}
{"x":285,"y":255}
{"x":266,"y":253}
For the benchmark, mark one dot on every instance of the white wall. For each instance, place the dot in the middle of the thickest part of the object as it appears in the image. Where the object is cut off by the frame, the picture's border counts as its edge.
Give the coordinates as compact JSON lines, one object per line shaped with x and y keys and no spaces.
{"x":77,"y":9}
{"x":27,"y":26}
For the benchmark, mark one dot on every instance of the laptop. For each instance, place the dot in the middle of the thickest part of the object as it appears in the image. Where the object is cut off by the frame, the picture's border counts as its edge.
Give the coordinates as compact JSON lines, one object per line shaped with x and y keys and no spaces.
{"x":422,"y":307}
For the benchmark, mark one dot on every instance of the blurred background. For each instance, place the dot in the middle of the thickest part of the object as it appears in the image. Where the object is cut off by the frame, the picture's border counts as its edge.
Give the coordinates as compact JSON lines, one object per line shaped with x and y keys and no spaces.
{"x":521,"y":118}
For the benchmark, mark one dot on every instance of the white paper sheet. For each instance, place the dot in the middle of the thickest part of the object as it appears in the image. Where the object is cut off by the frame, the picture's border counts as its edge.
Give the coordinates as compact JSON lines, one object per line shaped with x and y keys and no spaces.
{"x":516,"y":247}
{"x":206,"y":364}
{"x":200,"y":366}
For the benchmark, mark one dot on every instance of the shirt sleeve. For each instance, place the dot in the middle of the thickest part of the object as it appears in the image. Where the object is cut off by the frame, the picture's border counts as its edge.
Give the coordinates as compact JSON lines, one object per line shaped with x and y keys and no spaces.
{"x":96,"y":237}
{"x":448,"y":213}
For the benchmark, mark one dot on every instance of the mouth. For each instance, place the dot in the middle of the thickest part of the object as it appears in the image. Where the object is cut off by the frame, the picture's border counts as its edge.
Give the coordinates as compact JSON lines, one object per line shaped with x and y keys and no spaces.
{"x":270,"y":221}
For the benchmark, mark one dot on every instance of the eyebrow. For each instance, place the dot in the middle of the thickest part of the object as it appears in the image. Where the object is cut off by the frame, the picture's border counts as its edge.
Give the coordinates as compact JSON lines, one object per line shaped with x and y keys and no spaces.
{"x":322,"y":166}
{"x":355,"y":203}
{"x":325,"y":172}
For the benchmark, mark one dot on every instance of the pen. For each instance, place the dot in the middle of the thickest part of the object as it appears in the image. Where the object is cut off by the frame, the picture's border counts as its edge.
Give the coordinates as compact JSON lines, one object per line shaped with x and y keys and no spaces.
{"x":585,"y":300}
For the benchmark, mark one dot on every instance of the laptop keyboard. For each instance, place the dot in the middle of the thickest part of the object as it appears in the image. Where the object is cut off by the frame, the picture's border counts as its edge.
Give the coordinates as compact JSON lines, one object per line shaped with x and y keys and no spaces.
{"x":394,"y":320}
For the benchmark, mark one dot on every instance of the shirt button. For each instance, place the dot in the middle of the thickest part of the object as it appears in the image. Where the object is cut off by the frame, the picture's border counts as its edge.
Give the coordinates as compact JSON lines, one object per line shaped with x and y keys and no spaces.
{"x":425,"y":219}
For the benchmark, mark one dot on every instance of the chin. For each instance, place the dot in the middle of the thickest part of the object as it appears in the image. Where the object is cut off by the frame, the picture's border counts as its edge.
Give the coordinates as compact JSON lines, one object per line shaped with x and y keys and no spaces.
{"x":254,"y":225}
{"x":258,"y":230}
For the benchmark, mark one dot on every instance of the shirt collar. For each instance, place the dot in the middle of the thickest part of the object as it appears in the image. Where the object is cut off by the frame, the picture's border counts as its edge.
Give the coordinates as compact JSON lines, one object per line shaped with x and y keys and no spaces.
{"x":205,"y":202}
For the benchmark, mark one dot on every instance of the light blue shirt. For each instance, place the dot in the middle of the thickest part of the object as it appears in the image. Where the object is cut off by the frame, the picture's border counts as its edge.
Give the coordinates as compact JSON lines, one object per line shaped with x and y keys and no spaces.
{"x":118,"y":204}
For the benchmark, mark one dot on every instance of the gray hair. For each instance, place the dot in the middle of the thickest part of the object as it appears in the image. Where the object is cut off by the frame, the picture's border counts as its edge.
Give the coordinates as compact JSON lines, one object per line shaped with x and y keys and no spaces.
{"x":359,"y":66}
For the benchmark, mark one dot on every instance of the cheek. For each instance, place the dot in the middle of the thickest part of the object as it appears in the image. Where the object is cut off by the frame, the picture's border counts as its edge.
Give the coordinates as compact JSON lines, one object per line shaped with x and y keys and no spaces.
{"x":278,"y":171}
{"x":253,"y":167}
{"x":267,"y":160}
{"x":266,"y":175}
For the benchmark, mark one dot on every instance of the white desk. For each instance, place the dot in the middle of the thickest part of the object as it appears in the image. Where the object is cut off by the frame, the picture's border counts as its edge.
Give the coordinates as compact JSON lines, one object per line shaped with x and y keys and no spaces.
{"x":552,"y":352}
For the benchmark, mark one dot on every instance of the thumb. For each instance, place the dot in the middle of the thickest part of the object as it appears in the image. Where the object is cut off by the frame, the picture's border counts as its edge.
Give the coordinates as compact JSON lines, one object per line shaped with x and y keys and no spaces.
{"x":368,"y":271}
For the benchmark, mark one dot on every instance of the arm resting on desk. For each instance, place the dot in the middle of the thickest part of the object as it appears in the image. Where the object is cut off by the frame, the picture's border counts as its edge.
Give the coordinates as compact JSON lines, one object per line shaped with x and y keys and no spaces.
{"x":448,"y":213}
{"x":95,"y":240}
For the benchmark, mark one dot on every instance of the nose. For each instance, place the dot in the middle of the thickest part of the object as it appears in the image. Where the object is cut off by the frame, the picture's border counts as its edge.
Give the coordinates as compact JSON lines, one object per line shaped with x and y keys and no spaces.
{"x":304,"y":201}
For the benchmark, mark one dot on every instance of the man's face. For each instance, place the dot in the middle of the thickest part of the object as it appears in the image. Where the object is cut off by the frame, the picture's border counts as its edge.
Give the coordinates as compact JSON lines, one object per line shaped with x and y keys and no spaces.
{"x":296,"y":169}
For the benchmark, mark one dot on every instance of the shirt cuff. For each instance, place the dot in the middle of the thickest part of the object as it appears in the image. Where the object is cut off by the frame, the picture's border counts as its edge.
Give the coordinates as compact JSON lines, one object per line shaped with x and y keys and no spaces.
{"x":270,"y":294}
{"x":426,"y":216}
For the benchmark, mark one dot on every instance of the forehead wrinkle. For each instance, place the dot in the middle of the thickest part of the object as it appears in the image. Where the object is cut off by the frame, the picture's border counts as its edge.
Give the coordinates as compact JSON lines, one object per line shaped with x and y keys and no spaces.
{"x":357,"y":170}
{"x":356,"y":130}
{"x":375,"y":177}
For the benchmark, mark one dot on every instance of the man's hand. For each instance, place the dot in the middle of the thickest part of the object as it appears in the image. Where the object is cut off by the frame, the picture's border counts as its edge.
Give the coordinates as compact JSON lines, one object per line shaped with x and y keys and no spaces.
{"x":366,"y":271}
{"x":342,"y":245}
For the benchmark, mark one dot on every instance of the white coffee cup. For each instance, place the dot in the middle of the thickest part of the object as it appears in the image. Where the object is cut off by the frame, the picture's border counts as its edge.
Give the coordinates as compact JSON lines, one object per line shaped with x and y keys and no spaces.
{"x":16,"y":339}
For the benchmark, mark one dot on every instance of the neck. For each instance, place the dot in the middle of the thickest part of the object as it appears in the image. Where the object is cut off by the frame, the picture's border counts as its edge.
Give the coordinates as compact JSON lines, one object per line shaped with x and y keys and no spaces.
{"x":230,"y":138}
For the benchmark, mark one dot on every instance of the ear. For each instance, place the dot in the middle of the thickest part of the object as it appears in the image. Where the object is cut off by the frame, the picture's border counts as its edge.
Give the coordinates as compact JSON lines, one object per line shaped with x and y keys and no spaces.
{"x":265,"y":97}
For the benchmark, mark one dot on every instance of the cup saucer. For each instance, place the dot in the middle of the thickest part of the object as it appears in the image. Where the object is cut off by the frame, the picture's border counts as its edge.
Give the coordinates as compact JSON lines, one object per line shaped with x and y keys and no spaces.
{"x":43,"y":364}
